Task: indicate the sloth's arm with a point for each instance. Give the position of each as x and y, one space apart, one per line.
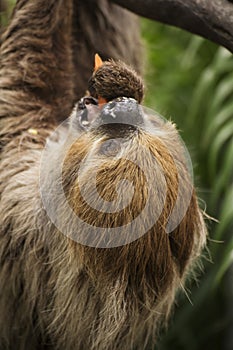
36 65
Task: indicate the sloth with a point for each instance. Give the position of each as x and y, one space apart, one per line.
100 223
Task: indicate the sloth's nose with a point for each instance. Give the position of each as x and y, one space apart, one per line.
122 110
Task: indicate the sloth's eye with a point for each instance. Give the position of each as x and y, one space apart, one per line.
87 100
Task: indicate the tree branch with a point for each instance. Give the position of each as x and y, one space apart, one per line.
211 19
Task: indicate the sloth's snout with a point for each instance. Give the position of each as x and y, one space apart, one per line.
122 110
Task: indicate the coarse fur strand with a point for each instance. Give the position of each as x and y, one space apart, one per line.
55 293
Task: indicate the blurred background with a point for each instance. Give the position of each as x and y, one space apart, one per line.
190 81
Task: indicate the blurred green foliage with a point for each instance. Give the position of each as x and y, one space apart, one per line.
190 81
6 7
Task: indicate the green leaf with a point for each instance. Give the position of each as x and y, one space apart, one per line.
221 137
226 216
217 121
225 175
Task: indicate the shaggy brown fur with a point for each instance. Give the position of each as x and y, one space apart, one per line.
56 293
115 79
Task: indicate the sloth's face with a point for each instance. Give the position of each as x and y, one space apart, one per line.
121 168
124 166
123 129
